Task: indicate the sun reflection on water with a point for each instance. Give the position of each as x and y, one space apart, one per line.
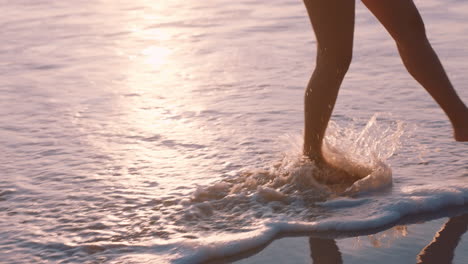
156 56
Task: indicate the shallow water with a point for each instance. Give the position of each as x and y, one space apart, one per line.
144 131
400 244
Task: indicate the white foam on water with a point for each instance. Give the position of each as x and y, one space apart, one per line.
249 209
367 214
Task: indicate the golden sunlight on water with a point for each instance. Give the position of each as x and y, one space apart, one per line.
138 130
156 56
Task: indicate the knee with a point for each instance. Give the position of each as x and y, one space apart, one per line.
335 59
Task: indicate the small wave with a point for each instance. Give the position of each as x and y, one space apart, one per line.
421 201
251 207
293 188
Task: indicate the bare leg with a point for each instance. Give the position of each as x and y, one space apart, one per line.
442 248
324 251
404 23
333 23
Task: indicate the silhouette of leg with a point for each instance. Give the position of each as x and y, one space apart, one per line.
324 251
333 24
404 23
442 248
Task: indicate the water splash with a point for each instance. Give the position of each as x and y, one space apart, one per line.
365 151
291 187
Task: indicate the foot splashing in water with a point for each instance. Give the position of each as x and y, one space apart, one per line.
251 206
293 185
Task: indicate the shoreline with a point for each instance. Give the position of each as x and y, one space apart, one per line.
395 243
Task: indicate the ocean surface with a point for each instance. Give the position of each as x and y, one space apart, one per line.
138 131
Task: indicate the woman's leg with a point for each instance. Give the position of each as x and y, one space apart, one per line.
324 251
404 23
333 23
442 248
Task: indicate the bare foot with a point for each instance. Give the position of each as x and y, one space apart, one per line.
460 133
460 128
332 175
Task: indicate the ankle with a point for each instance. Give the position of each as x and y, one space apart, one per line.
459 118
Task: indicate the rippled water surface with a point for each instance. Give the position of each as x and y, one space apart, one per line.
137 131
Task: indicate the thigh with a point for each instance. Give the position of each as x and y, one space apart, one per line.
333 23
401 18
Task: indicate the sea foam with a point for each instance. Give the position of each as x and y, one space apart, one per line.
250 208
